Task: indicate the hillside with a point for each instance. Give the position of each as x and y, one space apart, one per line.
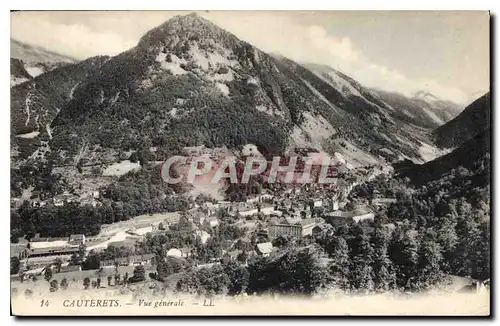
473 120
471 158
35 103
189 72
191 83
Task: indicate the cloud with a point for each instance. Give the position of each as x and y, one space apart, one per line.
340 47
75 40
84 35
313 44
342 54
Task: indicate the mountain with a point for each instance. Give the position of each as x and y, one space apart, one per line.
423 109
473 157
189 72
470 134
28 61
36 102
190 83
473 120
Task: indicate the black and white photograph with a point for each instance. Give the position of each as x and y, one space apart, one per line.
246 163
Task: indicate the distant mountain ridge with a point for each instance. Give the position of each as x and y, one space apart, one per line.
423 109
28 62
32 53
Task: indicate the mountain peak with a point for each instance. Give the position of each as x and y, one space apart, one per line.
190 19
191 26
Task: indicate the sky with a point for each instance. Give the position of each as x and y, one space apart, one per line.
443 52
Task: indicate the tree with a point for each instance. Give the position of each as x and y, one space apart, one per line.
117 279
383 275
296 271
482 245
403 252
280 241
14 265
238 277
58 264
74 260
93 261
139 274
205 281
64 284
339 267
242 257
82 249
133 157
53 286
362 259
86 283
48 273
429 259
446 234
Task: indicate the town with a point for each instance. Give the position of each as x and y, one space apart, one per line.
251 228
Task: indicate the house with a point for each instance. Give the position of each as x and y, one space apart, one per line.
318 229
213 221
264 249
185 252
179 253
202 235
76 239
318 203
198 217
140 259
122 261
383 201
233 255
368 216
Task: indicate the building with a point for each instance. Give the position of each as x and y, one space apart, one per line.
52 251
174 252
202 235
300 229
133 260
233 255
318 203
362 217
179 253
70 268
317 230
264 249
76 239
213 221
